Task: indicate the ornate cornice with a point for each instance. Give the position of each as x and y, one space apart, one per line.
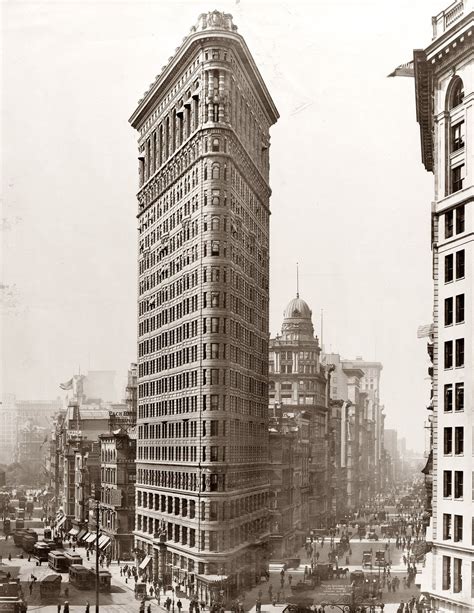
214 27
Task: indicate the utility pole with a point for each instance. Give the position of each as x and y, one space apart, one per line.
97 514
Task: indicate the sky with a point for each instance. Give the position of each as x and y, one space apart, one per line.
351 200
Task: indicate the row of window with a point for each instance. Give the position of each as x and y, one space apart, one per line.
188 404
212 510
213 453
210 482
209 540
456 565
189 429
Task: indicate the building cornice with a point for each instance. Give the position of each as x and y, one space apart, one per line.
191 44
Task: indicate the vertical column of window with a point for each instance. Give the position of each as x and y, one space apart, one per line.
210 94
221 95
155 161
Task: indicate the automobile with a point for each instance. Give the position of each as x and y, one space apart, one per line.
366 559
380 558
292 563
357 577
372 536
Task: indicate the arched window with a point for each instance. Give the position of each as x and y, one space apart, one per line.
455 93
205 173
215 144
215 223
216 171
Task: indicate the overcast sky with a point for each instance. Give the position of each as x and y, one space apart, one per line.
351 199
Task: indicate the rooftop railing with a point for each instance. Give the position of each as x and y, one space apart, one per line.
444 20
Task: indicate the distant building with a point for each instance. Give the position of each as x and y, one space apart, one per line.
297 385
32 445
118 477
8 428
289 480
38 412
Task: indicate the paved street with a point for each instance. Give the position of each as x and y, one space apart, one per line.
121 597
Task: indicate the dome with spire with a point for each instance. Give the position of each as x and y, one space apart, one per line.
297 309
297 323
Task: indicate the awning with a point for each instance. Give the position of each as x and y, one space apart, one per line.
81 534
144 563
61 522
91 538
73 532
104 541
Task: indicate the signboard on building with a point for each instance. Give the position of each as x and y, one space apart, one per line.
334 593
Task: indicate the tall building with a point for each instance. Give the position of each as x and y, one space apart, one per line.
444 87
203 222
297 383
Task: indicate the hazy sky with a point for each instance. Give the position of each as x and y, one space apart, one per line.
351 199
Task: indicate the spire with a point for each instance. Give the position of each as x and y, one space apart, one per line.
297 281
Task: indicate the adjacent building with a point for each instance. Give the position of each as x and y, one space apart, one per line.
444 83
118 476
203 222
297 391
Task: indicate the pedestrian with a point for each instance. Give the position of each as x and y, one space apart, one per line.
88 607
59 608
9 557
142 607
290 580
179 604
148 608
30 587
66 607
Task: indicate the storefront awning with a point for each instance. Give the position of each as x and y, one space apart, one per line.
144 563
81 534
73 531
91 538
104 541
61 522
213 578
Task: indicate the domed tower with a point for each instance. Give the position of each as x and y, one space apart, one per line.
297 391
297 323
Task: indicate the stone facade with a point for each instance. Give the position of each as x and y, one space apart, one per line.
203 222
444 82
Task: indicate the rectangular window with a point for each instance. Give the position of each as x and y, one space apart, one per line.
460 264
459 397
448 354
458 483
457 136
457 178
214 453
448 311
448 224
457 570
459 352
446 527
457 528
448 397
459 440
446 573
447 483
448 441
460 219
448 268
459 308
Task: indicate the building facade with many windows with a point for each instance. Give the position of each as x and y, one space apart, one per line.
203 222
298 389
444 81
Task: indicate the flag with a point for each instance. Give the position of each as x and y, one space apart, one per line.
404 70
67 385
